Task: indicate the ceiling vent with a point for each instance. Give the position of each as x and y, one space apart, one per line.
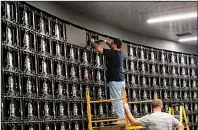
183 34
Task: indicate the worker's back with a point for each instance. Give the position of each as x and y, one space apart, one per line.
159 121
114 65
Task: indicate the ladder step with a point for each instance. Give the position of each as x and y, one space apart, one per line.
146 101
110 100
107 120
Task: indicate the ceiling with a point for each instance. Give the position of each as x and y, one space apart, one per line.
132 16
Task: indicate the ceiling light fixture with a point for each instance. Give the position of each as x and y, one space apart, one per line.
188 39
173 17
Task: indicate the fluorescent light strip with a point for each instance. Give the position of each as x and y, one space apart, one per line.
173 17
188 39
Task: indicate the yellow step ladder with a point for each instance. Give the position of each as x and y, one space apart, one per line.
128 126
90 121
182 115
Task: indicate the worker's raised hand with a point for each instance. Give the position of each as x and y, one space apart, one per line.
100 41
92 40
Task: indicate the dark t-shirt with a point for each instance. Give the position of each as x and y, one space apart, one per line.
114 64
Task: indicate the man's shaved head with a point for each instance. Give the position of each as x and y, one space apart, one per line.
157 103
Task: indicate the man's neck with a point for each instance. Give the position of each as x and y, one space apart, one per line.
157 110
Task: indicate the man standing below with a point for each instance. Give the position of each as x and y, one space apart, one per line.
115 75
158 120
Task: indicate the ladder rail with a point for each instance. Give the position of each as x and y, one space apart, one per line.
185 118
89 111
180 114
126 119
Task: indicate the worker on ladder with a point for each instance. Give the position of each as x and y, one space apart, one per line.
158 120
115 75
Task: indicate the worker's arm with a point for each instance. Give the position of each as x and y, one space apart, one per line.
98 47
130 117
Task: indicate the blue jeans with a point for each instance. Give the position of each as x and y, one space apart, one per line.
116 91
